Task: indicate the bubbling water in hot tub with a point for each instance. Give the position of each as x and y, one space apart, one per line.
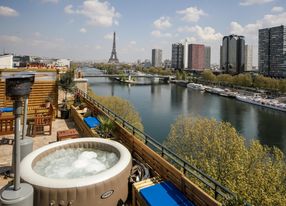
74 163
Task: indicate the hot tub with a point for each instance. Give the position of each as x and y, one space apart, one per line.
105 188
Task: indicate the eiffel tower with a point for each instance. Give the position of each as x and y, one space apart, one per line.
113 58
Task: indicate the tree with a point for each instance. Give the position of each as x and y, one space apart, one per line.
121 107
66 83
178 75
282 85
255 172
208 75
243 80
225 78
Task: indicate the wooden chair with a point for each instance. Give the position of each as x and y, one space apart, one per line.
39 124
7 125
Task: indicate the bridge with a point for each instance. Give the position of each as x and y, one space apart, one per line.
127 75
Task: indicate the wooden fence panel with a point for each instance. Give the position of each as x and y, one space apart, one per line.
41 90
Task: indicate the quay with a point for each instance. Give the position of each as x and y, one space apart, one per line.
251 98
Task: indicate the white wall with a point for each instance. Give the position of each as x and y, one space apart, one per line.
63 63
248 57
6 61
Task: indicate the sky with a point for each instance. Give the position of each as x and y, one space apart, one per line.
82 29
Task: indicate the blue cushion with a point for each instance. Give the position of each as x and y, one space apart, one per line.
91 122
7 109
164 193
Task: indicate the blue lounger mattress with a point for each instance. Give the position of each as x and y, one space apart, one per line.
91 122
6 109
164 193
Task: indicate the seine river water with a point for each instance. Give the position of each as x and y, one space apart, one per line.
160 105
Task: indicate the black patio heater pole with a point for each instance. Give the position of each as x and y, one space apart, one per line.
17 87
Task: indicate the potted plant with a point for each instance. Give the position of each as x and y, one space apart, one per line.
106 126
67 84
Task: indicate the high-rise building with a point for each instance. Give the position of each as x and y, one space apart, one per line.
220 57
156 57
186 56
248 58
196 57
272 51
233 54
178 56
207 57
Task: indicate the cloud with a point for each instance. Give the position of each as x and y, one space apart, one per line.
82 30
50 1
10 39
7 11
49 44
133 42
37 34
277 9
254 2
191 14
203 33
98 13
162 23
108 36
69 9
251 30
190 39
159 34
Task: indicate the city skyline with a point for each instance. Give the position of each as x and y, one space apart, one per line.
83 30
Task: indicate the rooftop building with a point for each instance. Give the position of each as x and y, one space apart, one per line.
207 57
196 57
6 61
178 56
248 57
272 51
156 57
233 54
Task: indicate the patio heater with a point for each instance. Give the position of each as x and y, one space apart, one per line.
18 194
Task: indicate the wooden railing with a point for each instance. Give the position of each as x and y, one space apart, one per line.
162 159
7 125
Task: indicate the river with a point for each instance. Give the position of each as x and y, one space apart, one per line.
160 105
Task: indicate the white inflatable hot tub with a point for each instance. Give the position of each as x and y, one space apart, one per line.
105 188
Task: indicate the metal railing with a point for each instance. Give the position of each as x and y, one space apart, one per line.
166 153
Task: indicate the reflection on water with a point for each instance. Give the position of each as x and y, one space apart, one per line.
160 105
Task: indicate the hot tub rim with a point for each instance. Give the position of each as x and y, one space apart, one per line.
29 175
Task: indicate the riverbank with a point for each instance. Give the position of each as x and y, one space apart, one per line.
256 98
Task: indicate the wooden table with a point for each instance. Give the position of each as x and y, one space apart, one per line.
67 134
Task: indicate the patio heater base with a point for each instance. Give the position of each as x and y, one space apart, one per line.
21 197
